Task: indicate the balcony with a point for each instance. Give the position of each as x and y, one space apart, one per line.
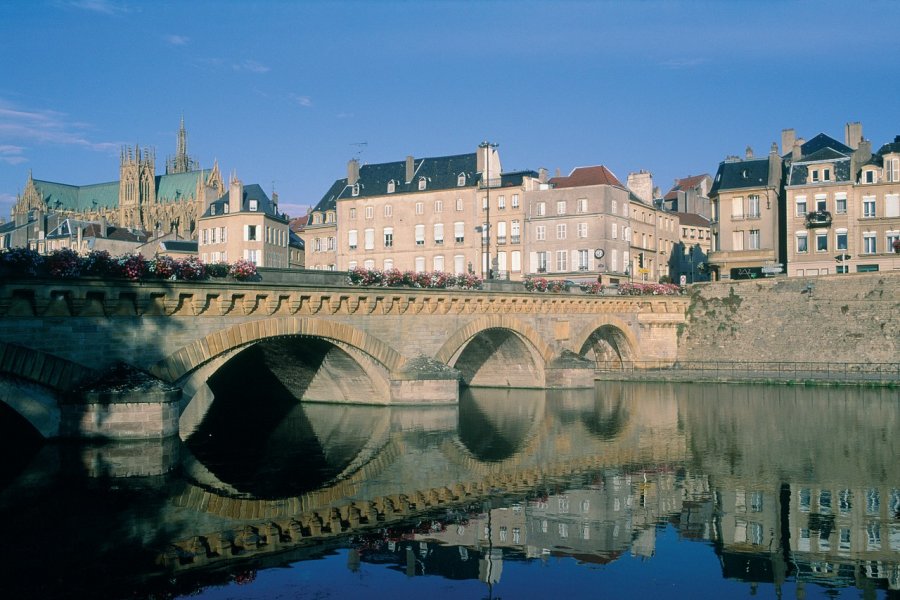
818 218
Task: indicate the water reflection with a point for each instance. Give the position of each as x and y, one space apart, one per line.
785 485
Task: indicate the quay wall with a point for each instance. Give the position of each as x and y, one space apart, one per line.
851 318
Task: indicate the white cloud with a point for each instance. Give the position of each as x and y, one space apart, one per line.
42 127
105 7
7 201
12 154
683 63
250 65
302 100
344 115
177 40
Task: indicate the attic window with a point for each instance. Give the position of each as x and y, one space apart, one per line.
212 210
422 183
254 205
461 179
392 187
225 208
355 189
869 177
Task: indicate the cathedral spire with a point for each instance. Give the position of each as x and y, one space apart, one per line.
181 162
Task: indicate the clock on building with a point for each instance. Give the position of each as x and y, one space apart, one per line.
599 253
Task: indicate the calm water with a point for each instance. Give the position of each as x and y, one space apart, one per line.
627 490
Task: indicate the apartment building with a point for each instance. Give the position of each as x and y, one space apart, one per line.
577 226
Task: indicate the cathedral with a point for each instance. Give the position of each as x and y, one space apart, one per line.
139 200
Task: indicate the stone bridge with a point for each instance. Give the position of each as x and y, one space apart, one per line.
324 342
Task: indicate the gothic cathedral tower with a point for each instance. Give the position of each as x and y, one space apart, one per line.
137 186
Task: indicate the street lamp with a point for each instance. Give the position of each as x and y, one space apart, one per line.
487 147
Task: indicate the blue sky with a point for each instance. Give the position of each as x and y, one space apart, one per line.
285 93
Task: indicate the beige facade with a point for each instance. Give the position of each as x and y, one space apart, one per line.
654 235
244 224
579 231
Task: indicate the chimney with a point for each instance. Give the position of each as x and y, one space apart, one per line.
410 168
860 156
352 172
235 194
852 134
104 227
787 140
775 168
796 151
542 175
748 153
641 184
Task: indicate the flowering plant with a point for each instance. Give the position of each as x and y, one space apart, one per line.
191 269
651 289
97 262
421 279
130 266
541 284
163 267
243 270
64 264
22 261
219 269
897 245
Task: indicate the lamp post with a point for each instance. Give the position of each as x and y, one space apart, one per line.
487 147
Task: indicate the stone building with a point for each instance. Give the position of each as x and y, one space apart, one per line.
689 195
577 226
139 200
422 214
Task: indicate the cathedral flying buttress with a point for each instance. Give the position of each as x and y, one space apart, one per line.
140 199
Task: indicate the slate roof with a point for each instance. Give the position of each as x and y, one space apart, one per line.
296 241
890 147
818 143
739 174
440 173
582 176
179 245
80 198
691 219
252 191
687 183
799 174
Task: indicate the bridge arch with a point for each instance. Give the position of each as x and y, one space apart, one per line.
199 352
610 338
499 339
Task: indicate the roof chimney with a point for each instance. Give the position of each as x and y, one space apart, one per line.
410 168
787 140
235 194
542 175
352 171
852 134
797 150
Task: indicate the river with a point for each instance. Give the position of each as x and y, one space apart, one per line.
628 490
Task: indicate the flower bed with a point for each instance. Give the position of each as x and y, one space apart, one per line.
68 264
541 284
421 279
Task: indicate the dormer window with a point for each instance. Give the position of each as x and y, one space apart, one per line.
254 205
815 175
317 219
461 179
826 175
329 217
212 210
869 177
355 189
392 187
422 183
225 209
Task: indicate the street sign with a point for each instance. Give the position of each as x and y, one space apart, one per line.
842 257
683 280
772 270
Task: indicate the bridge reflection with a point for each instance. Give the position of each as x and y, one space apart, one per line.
782 483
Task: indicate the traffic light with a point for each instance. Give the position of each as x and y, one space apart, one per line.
641 260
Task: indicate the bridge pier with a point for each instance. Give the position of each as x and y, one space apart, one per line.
423 380
569 371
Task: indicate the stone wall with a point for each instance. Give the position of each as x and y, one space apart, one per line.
853 318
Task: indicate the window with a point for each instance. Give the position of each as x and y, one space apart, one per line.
459 204
420 208
254 205
420 235
369 264
737 208
561 231
249 233
461 180
541 262
582 230
317 219
582 260
561 207
627 234
802 242
515 260
388 210
892 237
205 236
438 233
840 203
388 264
737 240
420 264
562 260
815 175
459 264
370 212
422 183
515 201
754 239
459 232
826 174
541 209
869 246
501 261
514 233
438 263
484 233
484 203
753 206
892 205
212 210
581 205
840 239
438 206
388 237
540 233
369 239
332 243
353 213
821 203
614 231
869 177
501 232
892 169
252 256
391 187
615 207
821 242
869 206
501 202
